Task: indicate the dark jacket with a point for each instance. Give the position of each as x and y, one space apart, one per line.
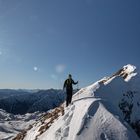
68 84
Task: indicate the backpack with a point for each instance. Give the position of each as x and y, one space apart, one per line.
69 82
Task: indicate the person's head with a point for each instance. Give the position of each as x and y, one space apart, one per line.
70 76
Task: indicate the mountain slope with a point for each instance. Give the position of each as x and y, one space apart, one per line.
108 109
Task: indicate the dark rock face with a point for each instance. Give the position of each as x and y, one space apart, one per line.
128 106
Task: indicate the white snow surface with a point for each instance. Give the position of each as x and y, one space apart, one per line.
94 113
11 125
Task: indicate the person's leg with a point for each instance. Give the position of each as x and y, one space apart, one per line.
70 96
67 100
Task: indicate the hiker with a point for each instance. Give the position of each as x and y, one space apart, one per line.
69 89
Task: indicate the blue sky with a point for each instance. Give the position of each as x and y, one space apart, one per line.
42 41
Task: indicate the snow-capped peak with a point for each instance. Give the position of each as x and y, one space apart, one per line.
129 68
128 72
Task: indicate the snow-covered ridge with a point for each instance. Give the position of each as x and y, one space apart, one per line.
107 109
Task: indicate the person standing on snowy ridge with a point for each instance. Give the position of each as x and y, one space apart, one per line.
69 89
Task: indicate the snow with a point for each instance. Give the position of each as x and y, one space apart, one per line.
129 69
101 124
11 125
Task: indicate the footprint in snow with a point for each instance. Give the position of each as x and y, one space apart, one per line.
63 131
103 136
58 134
68 120
68 114
66 132
73 107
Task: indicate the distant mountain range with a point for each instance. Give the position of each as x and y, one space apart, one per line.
24 101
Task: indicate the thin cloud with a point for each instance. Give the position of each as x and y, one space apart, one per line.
60 68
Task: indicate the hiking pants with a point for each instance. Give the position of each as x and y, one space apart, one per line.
69 96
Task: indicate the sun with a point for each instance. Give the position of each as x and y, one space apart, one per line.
35 68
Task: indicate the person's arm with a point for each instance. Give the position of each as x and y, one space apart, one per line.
74 82
64 84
